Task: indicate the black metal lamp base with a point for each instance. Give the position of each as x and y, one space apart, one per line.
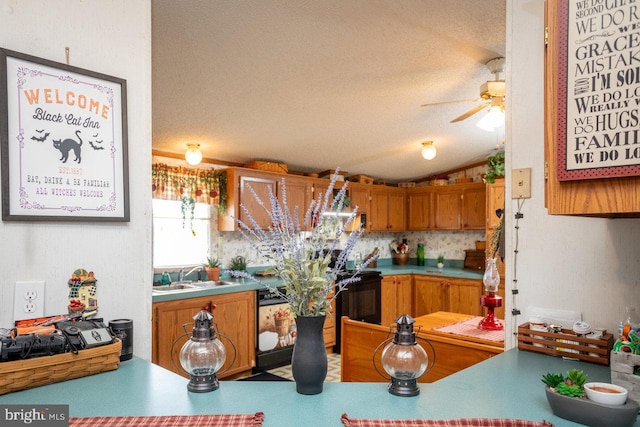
203 383
406 388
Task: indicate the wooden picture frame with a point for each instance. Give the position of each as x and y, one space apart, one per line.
63 141
598 90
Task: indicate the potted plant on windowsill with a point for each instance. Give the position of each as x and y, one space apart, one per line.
212 268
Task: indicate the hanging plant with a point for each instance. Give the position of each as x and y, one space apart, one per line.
188 206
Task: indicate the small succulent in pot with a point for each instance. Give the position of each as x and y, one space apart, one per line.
238 263
213 262
212 267
572 385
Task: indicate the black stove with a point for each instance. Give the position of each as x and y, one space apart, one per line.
364 274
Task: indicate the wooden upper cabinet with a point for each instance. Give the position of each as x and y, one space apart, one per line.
606 197
459 207
360 195
474 207
388 211
260 186
419 210
447 205
238 194
495 200
397 211
299 193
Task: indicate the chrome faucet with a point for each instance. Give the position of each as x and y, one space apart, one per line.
183 274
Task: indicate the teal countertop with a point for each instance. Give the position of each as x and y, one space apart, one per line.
505 386
384 266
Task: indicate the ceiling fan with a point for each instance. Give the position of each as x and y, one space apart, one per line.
492 94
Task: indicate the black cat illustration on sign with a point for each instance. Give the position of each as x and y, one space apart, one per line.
68 145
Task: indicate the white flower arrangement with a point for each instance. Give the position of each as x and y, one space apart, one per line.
301 258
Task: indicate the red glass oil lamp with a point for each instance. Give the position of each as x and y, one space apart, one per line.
490 299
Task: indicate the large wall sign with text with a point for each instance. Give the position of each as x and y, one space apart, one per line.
63 134
599 89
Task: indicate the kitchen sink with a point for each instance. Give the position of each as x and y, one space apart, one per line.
192 286
174 287
211 284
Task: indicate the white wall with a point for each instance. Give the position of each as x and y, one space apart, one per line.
586 264
111 37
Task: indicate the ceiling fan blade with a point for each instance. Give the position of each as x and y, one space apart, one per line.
470 113
451 102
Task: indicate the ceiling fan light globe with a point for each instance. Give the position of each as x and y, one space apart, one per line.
428 150
492 120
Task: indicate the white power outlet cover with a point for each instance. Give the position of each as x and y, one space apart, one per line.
28 300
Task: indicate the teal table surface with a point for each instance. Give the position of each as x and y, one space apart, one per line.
505 386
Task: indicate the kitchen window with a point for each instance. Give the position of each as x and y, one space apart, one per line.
175 244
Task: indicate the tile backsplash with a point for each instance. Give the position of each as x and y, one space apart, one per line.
451 244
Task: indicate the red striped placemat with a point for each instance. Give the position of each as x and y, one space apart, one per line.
458 422
469 328
216 420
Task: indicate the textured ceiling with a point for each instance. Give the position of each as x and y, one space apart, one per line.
320 84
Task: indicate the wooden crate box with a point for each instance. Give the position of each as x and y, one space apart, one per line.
566 343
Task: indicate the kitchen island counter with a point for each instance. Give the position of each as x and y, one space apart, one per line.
505 386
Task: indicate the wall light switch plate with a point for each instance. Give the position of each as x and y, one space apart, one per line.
28 300
521 183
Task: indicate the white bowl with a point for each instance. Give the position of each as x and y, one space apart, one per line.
609 394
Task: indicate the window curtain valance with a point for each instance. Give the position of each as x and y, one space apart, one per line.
190 184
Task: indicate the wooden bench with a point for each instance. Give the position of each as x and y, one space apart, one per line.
453 352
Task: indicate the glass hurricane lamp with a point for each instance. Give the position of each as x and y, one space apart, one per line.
202 355
404 360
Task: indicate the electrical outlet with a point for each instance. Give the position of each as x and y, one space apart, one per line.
28 300
521 183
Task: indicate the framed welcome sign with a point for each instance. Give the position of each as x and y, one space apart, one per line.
63 136
598 109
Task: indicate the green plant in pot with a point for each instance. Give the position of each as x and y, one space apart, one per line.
572 385
238 263
212 267
440 261
495 167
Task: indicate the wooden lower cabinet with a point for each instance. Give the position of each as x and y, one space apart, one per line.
234 315
397 297
359 359
432 294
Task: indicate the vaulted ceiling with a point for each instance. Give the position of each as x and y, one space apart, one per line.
320 84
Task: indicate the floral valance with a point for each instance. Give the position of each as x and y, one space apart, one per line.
191 184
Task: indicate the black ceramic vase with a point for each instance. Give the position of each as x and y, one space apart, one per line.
309 359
